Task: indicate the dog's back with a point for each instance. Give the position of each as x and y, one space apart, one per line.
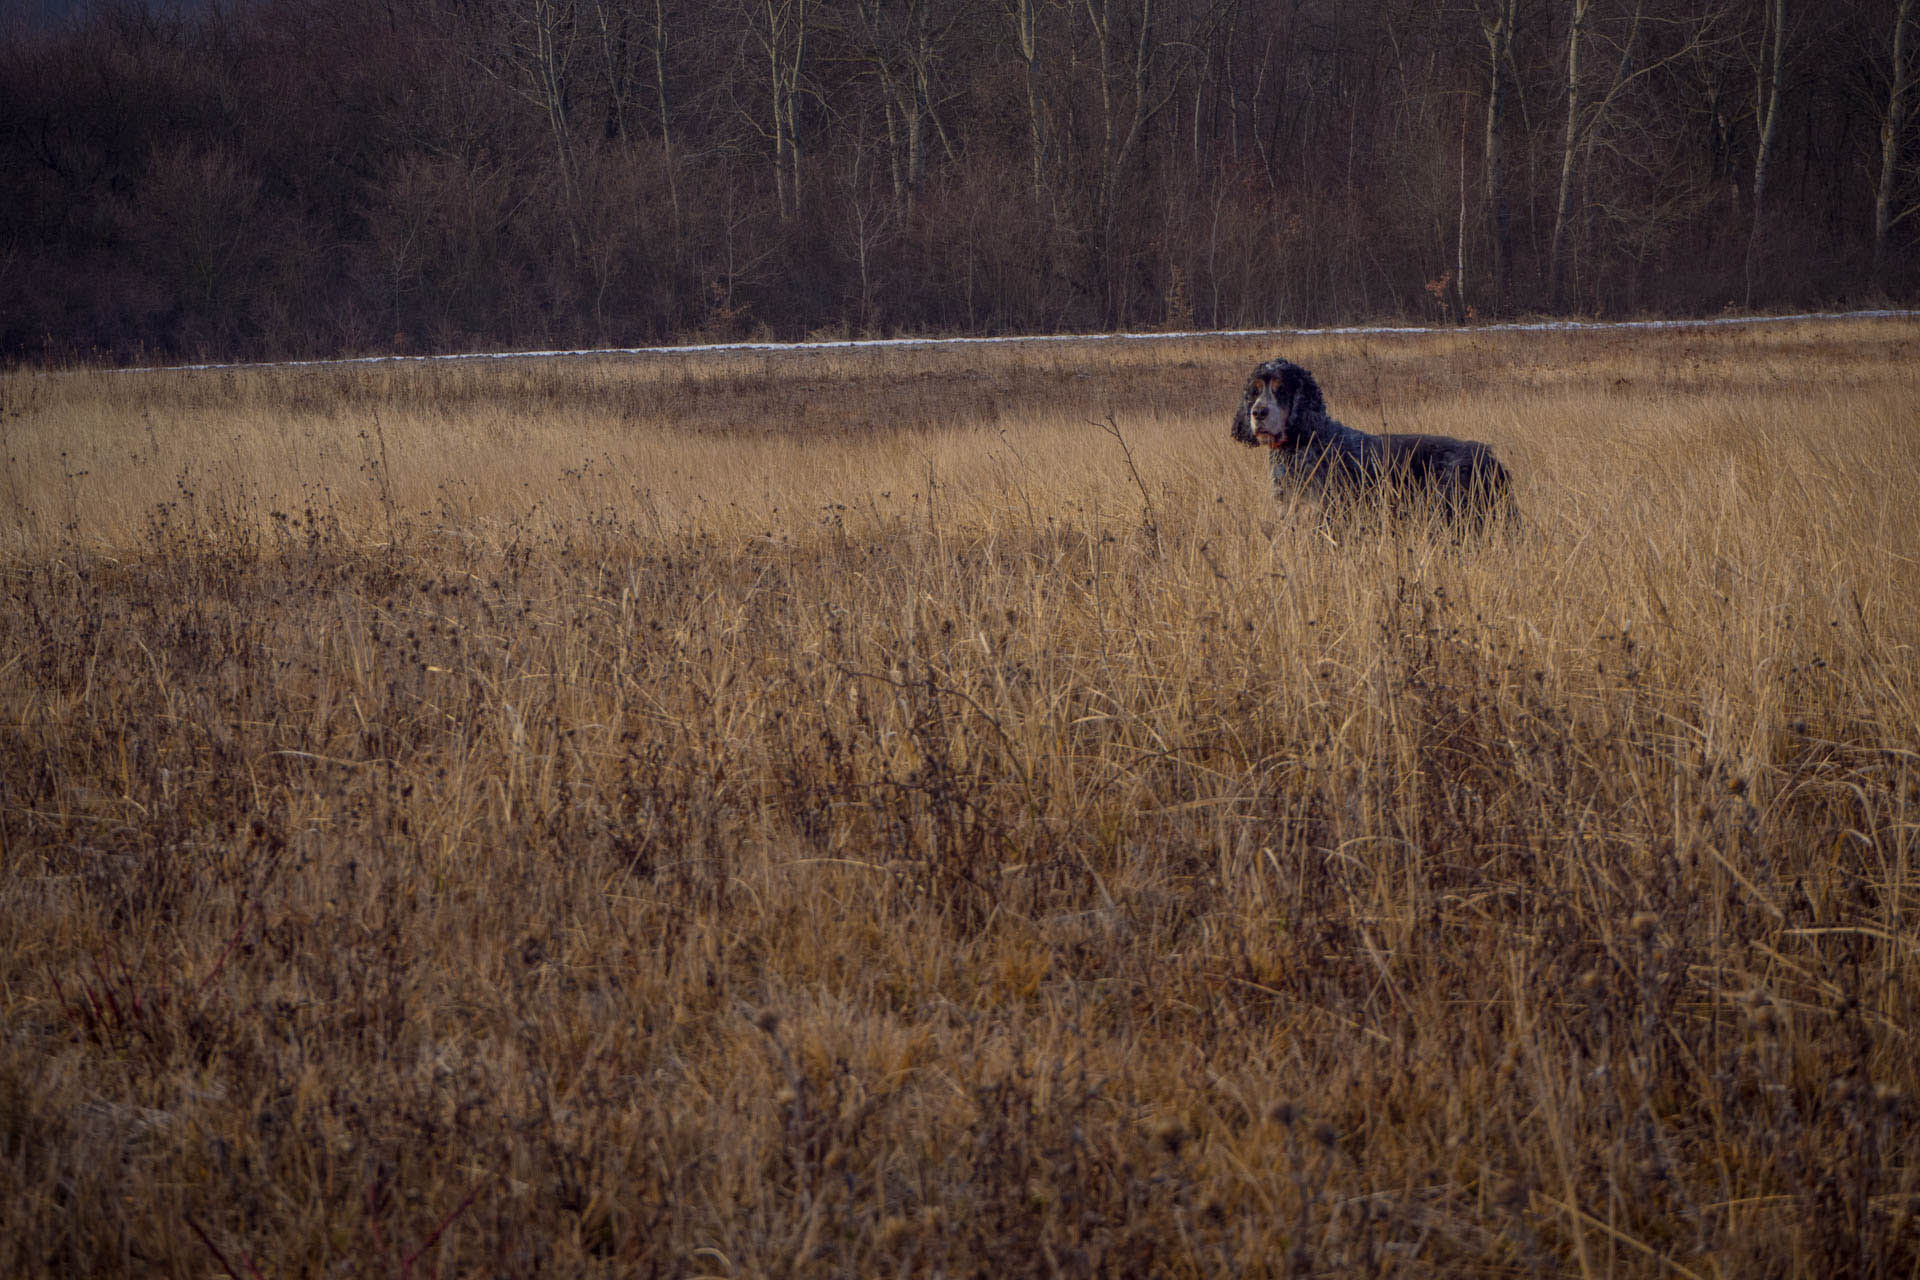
1463 473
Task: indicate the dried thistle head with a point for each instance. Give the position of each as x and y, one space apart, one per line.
892 1231
1763 1014
1169 1132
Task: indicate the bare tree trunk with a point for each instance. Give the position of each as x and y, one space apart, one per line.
1231 73
1497 24
1148 87
1569 152
783 39
1899 108
904 62
1026 28
1100 17
1766 103
546 61
613 30
660 99
1460 225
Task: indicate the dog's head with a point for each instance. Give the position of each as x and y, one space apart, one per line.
1280 396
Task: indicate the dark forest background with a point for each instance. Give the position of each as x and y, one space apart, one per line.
313 177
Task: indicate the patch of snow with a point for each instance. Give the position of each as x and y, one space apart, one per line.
851 343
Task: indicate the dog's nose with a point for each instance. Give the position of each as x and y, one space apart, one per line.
1260 412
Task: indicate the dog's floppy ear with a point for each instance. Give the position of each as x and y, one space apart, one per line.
1243 422
1306 397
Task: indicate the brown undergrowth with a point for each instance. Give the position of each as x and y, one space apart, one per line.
957 850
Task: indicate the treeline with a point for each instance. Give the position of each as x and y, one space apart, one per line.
304 177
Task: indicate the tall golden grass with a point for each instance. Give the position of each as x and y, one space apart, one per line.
931 812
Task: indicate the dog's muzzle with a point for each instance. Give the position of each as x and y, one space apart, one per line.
1264 412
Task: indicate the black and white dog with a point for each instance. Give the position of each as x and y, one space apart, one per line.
1311 453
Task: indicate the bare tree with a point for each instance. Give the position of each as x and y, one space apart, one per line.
660 89
532 50
781 28
1893 126
1766 113
1589 113
1025 15
902 43
546 54
1134 88
867 220
1460 217
1581 10
612 26
1497 21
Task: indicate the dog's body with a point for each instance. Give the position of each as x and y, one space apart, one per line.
1312 453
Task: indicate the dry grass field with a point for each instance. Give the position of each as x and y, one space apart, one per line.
930 812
